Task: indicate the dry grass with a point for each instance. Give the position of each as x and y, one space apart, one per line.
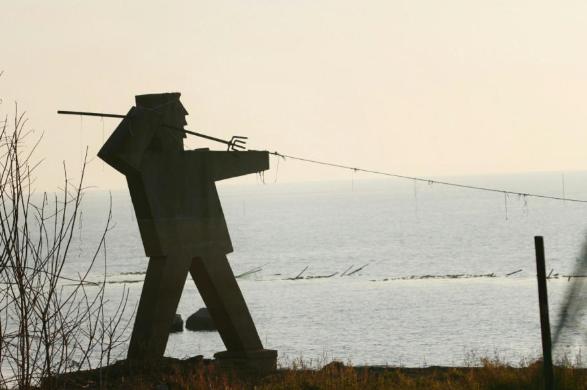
202 374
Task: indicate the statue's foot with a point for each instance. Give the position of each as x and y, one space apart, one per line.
260 362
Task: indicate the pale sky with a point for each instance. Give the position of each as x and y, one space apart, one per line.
413 87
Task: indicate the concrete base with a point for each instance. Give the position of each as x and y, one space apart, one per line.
260 362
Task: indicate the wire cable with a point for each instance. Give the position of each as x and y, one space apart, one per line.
429 181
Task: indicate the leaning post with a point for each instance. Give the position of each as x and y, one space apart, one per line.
544 317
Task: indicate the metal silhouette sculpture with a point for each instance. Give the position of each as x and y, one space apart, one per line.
183 229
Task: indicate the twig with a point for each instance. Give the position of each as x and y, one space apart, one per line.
347 270
251 271
569 277
512 273
357 270
300 274
322 276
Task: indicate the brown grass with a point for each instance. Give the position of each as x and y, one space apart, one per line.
197 373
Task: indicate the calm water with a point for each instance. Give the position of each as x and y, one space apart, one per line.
398 230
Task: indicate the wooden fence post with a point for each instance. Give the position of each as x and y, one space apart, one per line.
544 318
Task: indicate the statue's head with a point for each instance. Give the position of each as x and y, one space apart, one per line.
172 113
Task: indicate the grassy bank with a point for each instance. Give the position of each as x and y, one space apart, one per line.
198 373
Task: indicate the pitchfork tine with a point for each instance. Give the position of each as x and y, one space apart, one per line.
237 142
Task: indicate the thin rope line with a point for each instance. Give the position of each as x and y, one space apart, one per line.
421 179
429 181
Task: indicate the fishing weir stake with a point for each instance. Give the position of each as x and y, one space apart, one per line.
236 143
544 317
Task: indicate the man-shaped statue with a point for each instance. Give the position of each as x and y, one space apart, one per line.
183 229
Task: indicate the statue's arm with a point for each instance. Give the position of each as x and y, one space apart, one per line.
125 148
224 165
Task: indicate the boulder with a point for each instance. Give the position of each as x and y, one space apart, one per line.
200 320
177 324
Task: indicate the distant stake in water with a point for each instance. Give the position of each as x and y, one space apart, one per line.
544 317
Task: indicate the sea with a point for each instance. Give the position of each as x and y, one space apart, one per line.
374 271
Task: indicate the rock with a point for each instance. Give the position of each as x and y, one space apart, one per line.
177 324
200 320
334 365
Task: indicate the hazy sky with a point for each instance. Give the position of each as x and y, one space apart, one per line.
414 87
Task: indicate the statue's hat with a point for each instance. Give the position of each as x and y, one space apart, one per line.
155 101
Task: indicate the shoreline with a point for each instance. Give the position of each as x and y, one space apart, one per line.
197 372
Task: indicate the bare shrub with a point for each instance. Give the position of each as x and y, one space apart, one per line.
50 323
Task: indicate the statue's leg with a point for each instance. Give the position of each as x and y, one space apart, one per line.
225 302
162 290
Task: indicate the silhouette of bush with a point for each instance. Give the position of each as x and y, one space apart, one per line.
50 323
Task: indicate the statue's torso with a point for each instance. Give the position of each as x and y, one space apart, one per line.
177 204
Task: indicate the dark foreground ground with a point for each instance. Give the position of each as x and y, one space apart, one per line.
198 373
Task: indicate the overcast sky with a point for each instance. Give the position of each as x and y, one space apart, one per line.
413 87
